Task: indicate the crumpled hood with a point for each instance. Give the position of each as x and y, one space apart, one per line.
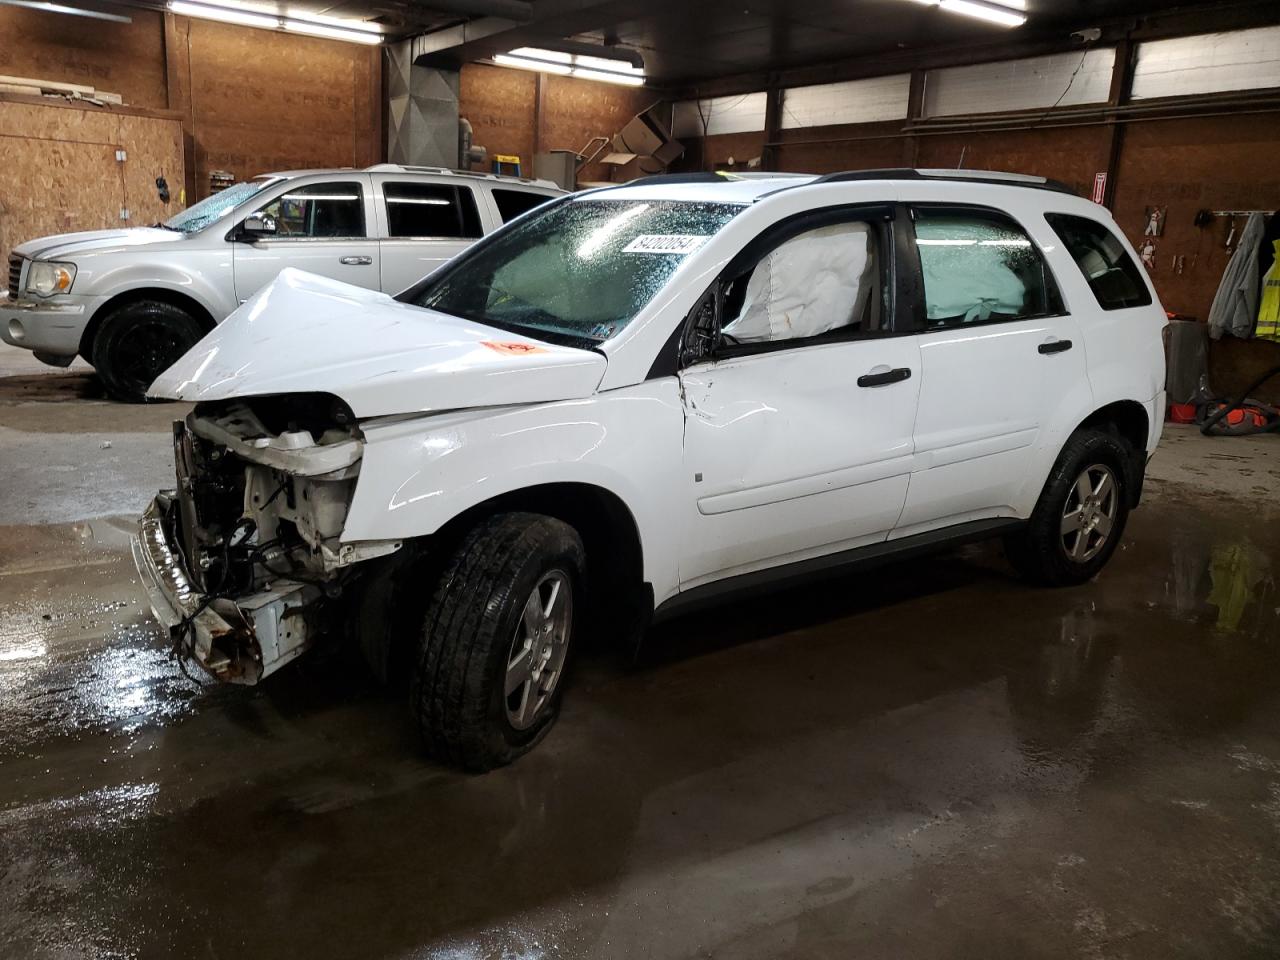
307 334
65 245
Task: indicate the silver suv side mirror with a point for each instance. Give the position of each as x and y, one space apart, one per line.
258 225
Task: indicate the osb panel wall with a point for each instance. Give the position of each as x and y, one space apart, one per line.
263 101
61 174
501 104
123 58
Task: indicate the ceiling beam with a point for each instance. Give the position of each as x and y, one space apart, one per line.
1183 21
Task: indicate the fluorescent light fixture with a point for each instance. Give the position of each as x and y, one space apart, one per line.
534 53
331 28
520 63
582 66
1004 12
982 11
225 14
331 33
425 201
306 16
608 76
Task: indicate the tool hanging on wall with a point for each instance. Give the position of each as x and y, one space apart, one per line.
1231 234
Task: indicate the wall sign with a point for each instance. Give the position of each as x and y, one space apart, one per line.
1099 186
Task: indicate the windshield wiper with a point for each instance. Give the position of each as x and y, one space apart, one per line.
165 226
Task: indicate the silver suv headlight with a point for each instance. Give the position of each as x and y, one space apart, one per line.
45 278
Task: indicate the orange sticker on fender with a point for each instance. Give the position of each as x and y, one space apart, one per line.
511 347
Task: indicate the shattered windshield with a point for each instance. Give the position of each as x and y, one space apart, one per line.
214 207
576 273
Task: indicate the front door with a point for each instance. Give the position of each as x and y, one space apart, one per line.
322 228
998 355
798 429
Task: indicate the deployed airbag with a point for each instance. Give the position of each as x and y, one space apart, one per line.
813 283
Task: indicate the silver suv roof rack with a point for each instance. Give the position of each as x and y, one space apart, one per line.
446 171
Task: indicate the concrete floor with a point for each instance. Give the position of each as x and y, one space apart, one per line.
930 760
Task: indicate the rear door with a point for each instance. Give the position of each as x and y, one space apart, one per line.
999 356
424 223
322 228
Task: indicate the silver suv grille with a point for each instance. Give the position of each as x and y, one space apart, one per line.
15 274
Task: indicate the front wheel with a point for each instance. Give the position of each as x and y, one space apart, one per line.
139 341
1080 516
496 639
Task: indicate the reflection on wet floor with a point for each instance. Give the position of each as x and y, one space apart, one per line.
929 760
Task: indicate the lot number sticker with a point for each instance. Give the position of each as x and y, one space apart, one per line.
673 243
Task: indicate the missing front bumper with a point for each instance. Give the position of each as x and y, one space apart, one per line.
237 641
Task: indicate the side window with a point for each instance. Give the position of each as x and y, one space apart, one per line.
979 268
436 210
823 281
319 210
512 203
1110 271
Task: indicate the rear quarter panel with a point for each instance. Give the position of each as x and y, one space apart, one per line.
1125 348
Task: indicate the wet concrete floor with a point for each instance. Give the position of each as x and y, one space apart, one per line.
930 760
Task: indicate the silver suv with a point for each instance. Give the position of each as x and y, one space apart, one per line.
132 301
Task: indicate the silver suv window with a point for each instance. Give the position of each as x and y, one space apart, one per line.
319 210
434 210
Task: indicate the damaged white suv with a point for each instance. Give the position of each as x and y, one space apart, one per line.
639 398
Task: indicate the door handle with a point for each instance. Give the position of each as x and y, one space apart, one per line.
1055 346
896 375
356 261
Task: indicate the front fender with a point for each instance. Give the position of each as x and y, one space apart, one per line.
202 275
417 475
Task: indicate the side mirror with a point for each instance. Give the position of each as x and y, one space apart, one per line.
258 225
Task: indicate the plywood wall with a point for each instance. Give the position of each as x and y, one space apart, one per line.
60 173
502 105
123 58
262 101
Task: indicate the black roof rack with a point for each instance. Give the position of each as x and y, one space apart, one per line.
968 176
699 176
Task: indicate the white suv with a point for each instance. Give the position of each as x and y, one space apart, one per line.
132 301
640 398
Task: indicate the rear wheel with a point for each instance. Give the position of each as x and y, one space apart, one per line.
496 640
139 341
1081 514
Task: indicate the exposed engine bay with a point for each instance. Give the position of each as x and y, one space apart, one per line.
254 528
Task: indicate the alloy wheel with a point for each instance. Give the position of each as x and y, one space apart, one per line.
1089 515
538 649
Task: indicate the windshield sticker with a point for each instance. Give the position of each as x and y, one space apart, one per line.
672 243
512 347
